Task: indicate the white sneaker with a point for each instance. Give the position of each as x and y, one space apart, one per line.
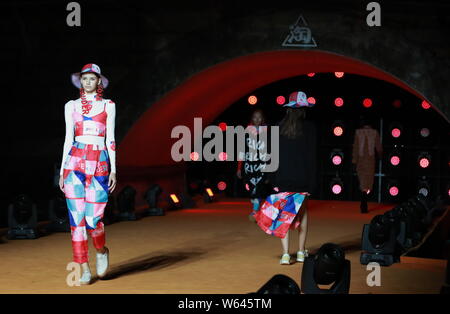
301 255
85 278
102 263
285 259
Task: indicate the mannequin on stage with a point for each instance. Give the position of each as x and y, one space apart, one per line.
88 168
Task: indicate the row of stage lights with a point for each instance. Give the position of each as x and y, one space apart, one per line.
393 187
339 101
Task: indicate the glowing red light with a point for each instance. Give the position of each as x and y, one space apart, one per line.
194 156
395 160
393 191
448 192
367 102
424 162
311 100
425 105
223 156
337 160
396 132
339 102
311 74
252 100
247 187
223 126
339 74
281 100
336 188
338 131
221 186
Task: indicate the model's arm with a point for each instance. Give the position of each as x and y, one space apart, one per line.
68 109
110 139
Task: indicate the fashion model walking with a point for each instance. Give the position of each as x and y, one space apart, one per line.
88 168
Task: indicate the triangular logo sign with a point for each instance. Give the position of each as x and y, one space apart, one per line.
300 35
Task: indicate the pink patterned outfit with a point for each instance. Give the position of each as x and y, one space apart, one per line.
87 163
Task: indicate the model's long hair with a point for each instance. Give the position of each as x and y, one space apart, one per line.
292 124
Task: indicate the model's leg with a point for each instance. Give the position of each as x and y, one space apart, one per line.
285 243
97 198
74 191
303 230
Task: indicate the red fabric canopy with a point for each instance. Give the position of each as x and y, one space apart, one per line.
210 92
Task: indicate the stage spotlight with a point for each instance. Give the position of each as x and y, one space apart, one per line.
281 100
174 201
327 267
223 156
126 203
194 156
393 188
423 187
151 196
426 105
279 284
379 241
252 100
208 195
424 132
338 128
339 74
424 159
339 102
180 201
58 214
311 74
367 102
222 126
337 157
221 186
395 157
22 218
312 100
336 186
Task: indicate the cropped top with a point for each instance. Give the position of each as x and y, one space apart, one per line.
90 129
94 125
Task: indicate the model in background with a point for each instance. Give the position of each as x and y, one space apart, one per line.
294 179
250 170
88 168
366 143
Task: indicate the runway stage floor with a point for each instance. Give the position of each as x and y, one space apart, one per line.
210 249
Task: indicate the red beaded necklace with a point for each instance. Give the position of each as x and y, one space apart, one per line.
85 104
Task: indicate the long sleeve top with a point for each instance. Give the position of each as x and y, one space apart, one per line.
73 108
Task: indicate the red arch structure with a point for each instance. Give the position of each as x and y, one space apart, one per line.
208 93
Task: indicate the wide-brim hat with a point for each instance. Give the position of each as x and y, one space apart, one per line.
297 100
89 68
